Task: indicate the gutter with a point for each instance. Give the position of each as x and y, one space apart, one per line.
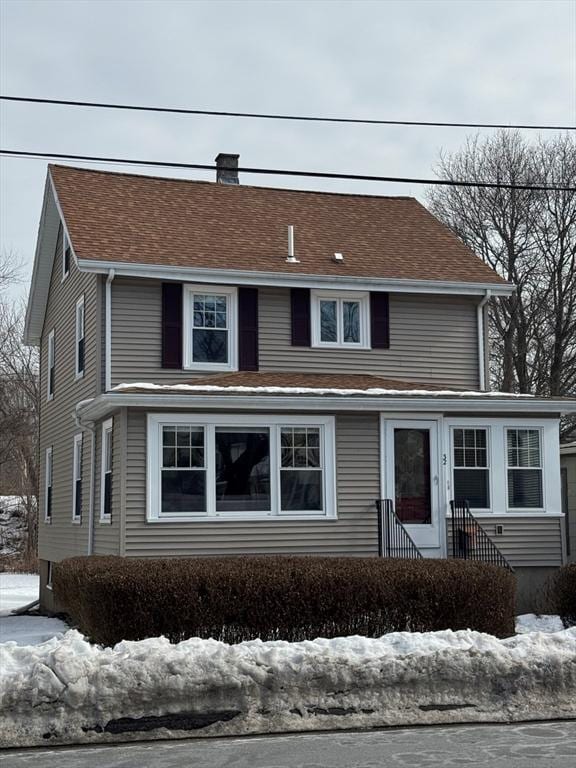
108 332
481 347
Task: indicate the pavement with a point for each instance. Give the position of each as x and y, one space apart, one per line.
526 745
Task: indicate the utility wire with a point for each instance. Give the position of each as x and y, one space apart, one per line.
266 116
285 172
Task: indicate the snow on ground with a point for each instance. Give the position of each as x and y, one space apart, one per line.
70 691
533 622
16 591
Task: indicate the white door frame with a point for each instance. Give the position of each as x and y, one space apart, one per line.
431 539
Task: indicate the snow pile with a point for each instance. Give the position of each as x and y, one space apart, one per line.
532 622
69 691
13 527
276 390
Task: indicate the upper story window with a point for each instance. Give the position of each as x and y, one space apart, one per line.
210 333
106 479
66 256
51 364
48 486
80 337
471 467
77 479
524 465
340 319
263 466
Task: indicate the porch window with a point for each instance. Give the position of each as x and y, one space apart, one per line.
106 479
471 467
340 319
210 328
524 464
263 466
48 486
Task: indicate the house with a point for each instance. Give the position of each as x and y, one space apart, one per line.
568 484
230 369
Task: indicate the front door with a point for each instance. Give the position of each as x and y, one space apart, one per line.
412 480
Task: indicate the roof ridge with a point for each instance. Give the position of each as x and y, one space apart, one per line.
232 186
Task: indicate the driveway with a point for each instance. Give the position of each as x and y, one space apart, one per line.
529 745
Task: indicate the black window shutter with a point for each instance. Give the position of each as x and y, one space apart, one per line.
379 321
248 329
300 301
171 325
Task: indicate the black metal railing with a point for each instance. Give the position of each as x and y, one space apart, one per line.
393 538
470 541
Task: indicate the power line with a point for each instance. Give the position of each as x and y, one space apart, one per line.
266 116
285 172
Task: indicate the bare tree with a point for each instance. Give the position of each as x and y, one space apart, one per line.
19 412
529 237
9 269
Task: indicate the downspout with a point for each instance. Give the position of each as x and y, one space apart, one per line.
108 333
481 348
90 426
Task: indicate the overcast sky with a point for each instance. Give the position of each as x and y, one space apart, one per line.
476 61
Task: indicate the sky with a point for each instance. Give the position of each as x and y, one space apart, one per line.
505 61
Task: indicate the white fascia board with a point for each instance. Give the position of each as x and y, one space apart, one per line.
100 406
43 263
282 279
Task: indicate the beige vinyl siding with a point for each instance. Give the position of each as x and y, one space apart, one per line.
107 534
432 339
62 538
525 541
353 533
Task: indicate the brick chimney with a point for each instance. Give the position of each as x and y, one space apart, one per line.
227 169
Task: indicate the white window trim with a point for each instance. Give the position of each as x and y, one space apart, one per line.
51 356
525 510
232 316
79 338
76 473
48 482
550 458
107 427
340 296
210 421
65 245
453 467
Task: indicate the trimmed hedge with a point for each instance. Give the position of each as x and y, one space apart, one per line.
564 594
280 597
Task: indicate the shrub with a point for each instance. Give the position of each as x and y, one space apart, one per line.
564 594
288 598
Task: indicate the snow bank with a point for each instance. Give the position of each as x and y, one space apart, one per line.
69 691
533 622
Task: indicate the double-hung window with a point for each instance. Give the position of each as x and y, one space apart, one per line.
210 334
262 466
80 337
77 479
48 486
50 381
340 319
106 473
471 467
524 468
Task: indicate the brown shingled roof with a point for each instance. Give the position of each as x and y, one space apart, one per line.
147 220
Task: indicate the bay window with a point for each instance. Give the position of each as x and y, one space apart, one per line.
210 328
263 466
106 472
524 469
77 479
471 467
340 319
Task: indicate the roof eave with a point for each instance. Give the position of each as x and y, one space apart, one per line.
100 406
283 279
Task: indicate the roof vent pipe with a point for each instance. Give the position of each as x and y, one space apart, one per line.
291 255
227 169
